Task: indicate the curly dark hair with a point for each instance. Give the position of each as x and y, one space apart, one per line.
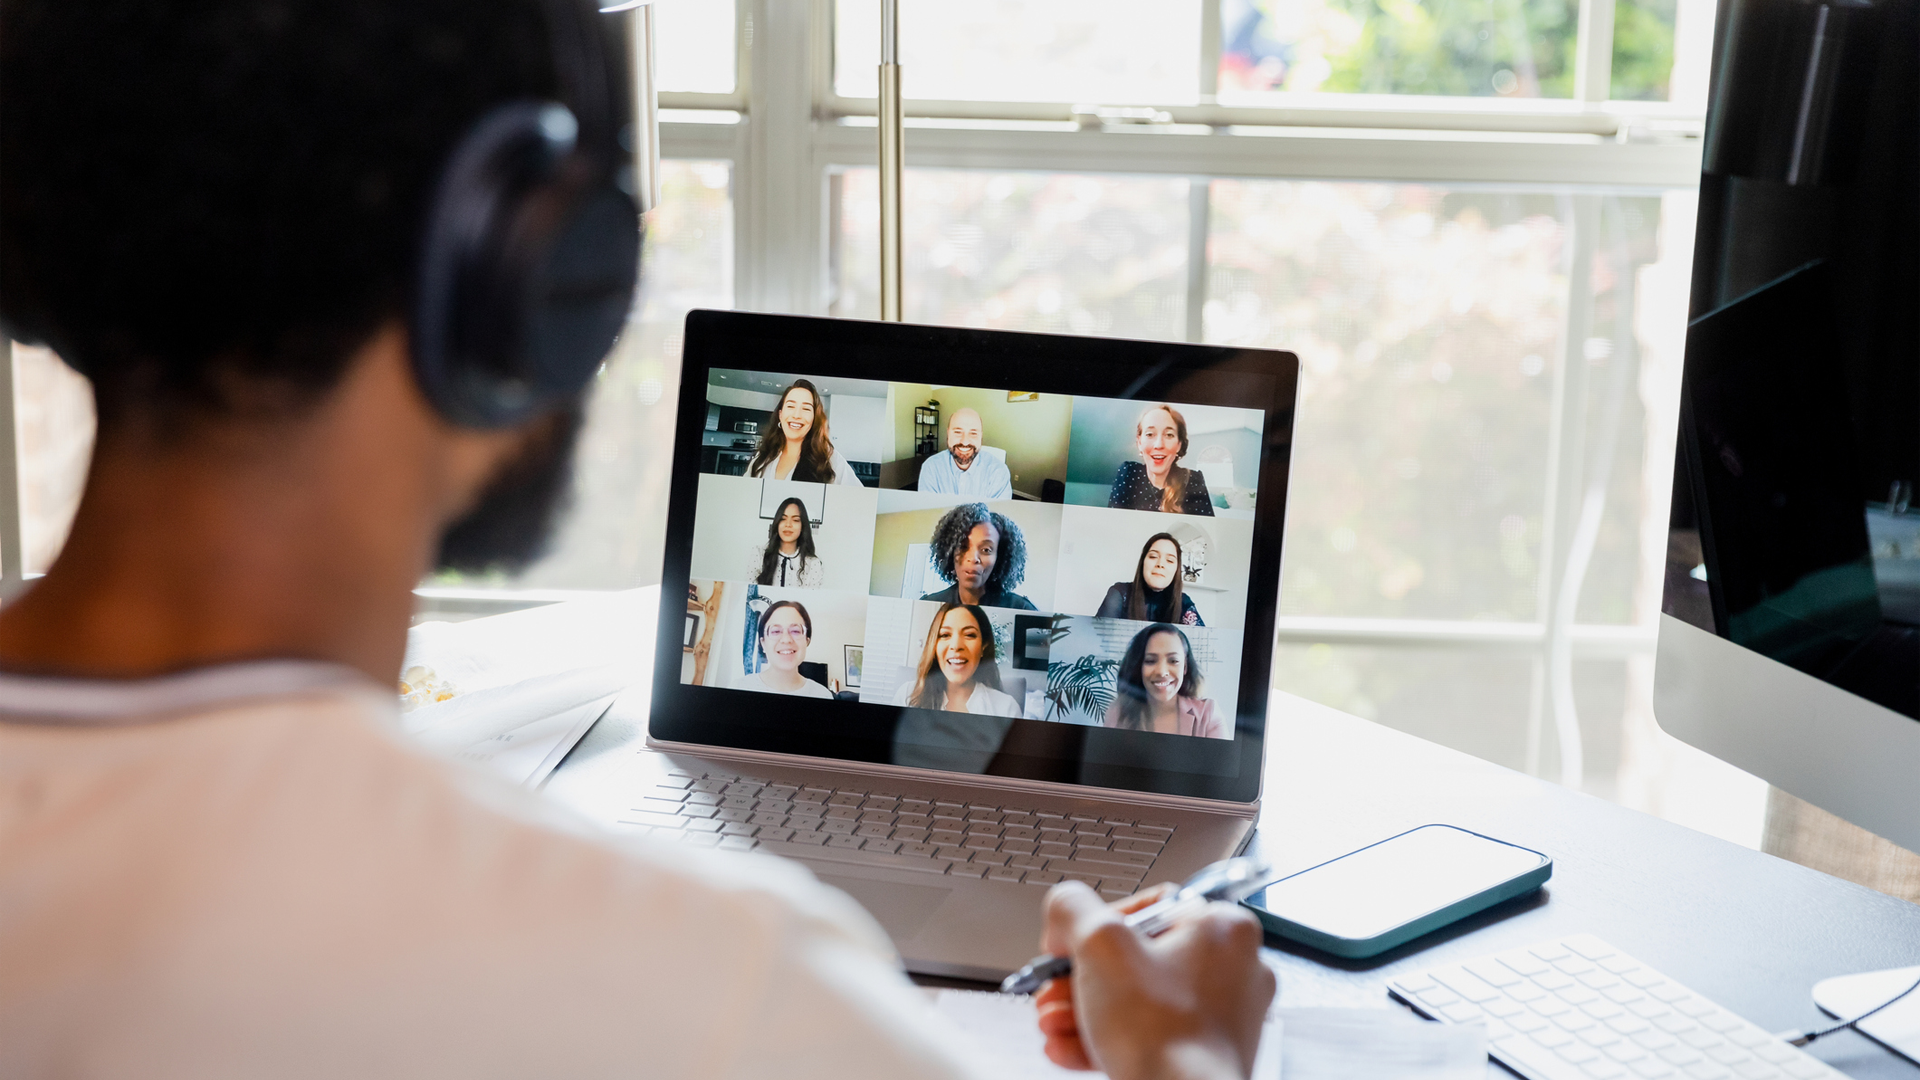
215 204
949 542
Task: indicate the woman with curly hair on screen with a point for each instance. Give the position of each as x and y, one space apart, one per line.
957 671
1158 688
983 554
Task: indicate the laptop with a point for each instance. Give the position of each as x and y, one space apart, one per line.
967 613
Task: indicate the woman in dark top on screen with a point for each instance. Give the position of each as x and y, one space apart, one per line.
1154 594
983 554
1157 481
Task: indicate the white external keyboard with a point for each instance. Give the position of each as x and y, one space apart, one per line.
1580 1009
899 830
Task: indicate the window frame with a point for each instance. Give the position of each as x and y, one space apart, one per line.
785 133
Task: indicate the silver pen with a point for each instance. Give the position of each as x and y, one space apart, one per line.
1228 881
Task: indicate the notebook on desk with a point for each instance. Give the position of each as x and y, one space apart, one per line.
1038 649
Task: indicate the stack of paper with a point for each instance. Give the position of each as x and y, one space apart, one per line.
531 683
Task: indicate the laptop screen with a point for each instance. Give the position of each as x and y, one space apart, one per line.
974 551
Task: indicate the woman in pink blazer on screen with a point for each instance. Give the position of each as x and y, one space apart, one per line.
1158 688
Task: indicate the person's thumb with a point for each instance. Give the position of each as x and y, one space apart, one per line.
1073 912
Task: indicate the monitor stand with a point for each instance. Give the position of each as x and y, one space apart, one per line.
1897 1027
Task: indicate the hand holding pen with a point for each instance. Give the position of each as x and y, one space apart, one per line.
1189 1003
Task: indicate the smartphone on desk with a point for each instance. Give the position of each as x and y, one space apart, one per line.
1368 901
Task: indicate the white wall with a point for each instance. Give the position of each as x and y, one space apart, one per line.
1099 547
860 427
728 528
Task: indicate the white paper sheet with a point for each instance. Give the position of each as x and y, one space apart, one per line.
1296 1044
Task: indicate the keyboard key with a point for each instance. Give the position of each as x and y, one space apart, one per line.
982 843
811 839
1681 1056
970 870
1707 1070
1626 1052
1578 1052
1494 974
1523 963
1097 869
1121 887
776 834
848 842
1805 1068
1056 851
1019 832
677 779
842 828
1755 1070
1552 1038
735 828
736 843
737 802
658 821
1145 847
923 850
1041 877
725 814
1602 1069
1088 880
1652 1069
1527 1057
858 858
991 858
704 825
701 839
887 846
957 854
1468 985
1003 873
1157 826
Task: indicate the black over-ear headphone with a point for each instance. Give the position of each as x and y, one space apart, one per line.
532 245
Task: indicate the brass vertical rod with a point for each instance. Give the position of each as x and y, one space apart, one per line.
892 160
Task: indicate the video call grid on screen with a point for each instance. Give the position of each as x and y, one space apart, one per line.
1020 504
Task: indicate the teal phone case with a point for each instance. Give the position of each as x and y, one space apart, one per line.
1361 948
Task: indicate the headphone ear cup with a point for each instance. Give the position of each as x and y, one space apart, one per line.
527 270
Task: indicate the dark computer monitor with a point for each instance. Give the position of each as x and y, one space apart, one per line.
1790 630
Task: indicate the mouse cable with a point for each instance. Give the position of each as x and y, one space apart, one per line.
1802 1038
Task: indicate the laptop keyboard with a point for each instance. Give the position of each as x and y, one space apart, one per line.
897 829
1580 1009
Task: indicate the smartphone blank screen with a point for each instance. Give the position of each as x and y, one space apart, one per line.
1365 894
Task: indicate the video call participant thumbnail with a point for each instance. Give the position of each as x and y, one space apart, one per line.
788 557
1158 481
984 554
786 630
1158 688
1155 593
796 446
958 671
966 467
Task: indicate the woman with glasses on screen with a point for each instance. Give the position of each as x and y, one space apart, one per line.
788 559
795 445
957 671
785 632
1154 594
1158 688
1158 481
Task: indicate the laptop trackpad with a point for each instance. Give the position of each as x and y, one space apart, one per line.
902 909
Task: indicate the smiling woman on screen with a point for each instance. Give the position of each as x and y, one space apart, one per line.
1154 594
1158 688
788 557
983 553
785 632
1158 481
957 672
795 445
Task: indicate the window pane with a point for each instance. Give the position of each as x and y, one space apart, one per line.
1662 50
1024 251
1472 48
1426 322
1113 52
55 421
613 537
695 48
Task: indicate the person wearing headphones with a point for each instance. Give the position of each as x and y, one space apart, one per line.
340 273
